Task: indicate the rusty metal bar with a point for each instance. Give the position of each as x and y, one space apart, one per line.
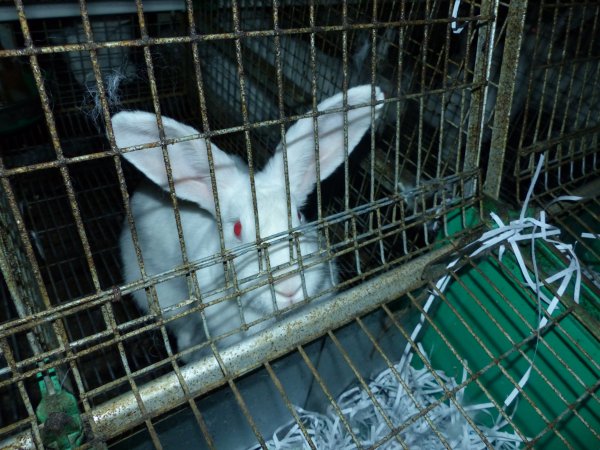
62 10
391 365
205 134
504 97
151 41
329 395
449 394
364 385
289 404
365 229
58 326
34 434
166 392
247 141
21 283
481 75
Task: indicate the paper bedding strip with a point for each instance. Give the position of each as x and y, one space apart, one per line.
444 422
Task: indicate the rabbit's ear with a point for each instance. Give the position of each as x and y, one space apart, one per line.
300 139
188 159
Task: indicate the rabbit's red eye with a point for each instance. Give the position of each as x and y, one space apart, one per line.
237 228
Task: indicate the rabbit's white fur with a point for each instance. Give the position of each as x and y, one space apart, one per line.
154 217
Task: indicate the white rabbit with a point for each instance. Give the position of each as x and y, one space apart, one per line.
156 227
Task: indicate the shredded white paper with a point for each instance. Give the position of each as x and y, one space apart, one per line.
443 425
363 417
509 236
455 28
593 275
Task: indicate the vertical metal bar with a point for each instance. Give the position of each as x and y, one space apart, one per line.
401 381
281 107
107 312
372 156
246 412
329 396
161 130
301 266
20 279
354 240
48 114
594 76
365 387
345 86
398 169
423 76
269 270
504 97
572 95
153 298
541 55
289 405
206 128
134 388
235 9
456 146
373 77
562 70
482 71
314 103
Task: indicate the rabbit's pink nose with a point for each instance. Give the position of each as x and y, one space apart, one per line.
287 291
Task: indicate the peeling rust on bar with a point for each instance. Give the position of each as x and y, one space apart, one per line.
206 374
384 234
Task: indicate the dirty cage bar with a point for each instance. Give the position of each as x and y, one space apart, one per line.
270 217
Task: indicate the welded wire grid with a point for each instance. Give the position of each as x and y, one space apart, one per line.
72 205
579 221
353 355
555 109
421 63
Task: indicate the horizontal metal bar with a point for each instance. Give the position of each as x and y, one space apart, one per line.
61 10
205 375
150 41
64 161
165 393
98 299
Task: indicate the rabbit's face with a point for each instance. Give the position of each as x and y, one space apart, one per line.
279 248
287 268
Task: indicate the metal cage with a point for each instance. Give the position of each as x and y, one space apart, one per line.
473 94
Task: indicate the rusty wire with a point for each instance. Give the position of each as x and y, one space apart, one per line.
370 229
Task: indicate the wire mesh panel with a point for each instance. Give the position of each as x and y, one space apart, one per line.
554 108
235 216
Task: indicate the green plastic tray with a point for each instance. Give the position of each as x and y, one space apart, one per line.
488 311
